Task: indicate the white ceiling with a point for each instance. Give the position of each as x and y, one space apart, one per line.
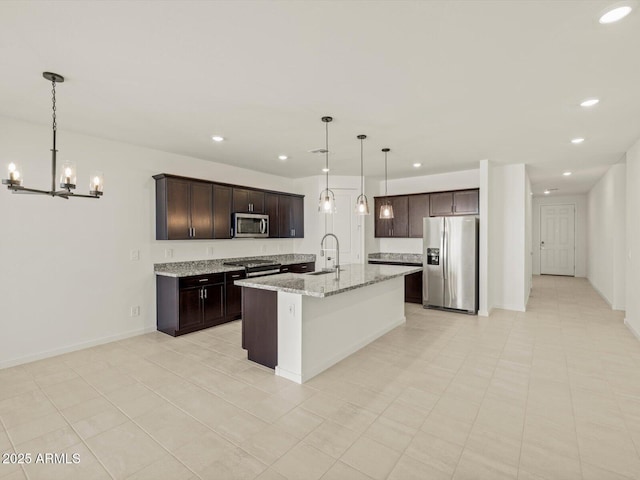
445 83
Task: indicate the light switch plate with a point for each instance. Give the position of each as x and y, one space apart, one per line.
134 255
135 311
168 253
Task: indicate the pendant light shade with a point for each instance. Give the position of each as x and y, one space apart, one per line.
327 200
362 204
386 209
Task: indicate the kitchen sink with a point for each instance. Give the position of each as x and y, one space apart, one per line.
320 272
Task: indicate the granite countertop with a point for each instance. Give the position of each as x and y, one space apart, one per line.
353 276
205 267
414 258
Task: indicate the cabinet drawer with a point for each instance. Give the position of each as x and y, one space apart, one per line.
302 267
199 280
231 277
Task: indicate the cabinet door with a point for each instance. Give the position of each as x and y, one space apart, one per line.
400 226
271 201
201 210
256 200
382 225
284 216
466 202
213 304
297 216
190 308
221 211
233 295
441 204
418 209
240 200
178 193
413 288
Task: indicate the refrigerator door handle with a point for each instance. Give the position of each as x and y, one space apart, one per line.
443 254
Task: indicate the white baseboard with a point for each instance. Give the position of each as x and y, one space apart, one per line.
72 348
635 332
604 297
513 308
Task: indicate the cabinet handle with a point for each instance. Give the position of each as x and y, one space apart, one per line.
201 297
235 276
203 280
205 292
303 266
455 208
231 232
194 232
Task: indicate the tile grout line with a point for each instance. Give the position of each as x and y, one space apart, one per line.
13 447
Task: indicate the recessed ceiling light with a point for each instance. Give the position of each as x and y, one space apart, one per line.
325 170
589 102
417 165
282 157
615 14
566 174
217 138
577 140
547 192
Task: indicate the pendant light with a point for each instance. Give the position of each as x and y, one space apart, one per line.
386 209
327 200
362 204
68 172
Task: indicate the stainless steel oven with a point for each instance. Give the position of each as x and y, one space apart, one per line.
250 225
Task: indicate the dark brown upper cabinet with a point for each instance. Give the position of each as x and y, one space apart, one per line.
410 210
184 209
222 211
466 202
418 210
189 208
248 201
441 204
398 226
271 202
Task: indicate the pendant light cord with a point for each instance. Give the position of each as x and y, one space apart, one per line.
361 167
326 165
385 175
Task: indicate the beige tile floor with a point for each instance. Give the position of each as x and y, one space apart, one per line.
553 393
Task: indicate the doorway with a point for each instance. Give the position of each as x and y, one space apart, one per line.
557 240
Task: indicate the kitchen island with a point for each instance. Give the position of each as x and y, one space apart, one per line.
302 324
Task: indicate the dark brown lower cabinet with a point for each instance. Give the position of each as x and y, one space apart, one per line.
298 267
234 295
260 326
413 288
188 304
412 282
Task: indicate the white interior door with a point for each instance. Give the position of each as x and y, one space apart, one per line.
557 240
345 225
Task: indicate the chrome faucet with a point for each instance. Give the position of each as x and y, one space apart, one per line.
336 264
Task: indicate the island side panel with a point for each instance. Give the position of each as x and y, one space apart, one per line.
316 333
290 336
260 325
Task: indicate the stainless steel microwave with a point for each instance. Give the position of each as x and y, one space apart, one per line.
250 225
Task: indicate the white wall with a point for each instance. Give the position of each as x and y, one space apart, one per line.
67 280
428 183
633 239
606 244
581 204
506 237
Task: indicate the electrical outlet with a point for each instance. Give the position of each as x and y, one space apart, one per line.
210 251
168 253
134 255
135 311
264 249
292 309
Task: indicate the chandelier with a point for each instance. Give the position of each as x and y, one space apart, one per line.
68 174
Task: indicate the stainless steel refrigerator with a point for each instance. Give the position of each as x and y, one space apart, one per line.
450 261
